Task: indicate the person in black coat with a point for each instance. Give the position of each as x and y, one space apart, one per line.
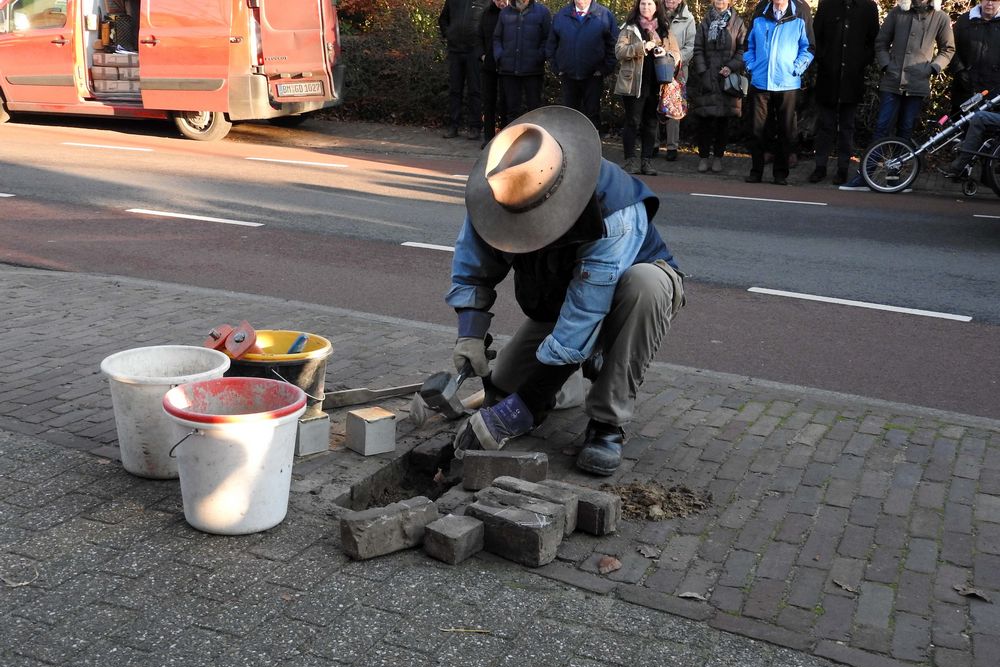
519 47
845 33
976 65
494 104
459 27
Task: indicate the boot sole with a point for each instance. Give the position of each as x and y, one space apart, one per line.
605 472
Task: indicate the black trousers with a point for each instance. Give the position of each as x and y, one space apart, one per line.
784 107
524 93
494 104
463 76
584 95
713 133
641 120
836 121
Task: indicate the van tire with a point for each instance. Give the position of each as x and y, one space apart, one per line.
288 121
202 125
4 114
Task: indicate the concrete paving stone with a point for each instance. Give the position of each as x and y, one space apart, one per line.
856 542
828 451
987 508
105 653
475 650
664 580
985 618
835 621
609 648
670 654
469 583
239 618
845 572
951 657
777 562
421 632
911 638
962 491
985 649
291 537
949 576
512 608
355 632
679 551
385 655
913 594
325 604
922 555
988 538
62 649
948 626
890 531
925 523
875 605
283 640
876 640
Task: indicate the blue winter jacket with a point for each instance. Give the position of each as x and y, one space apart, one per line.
778 52
569 282
579 48
519 40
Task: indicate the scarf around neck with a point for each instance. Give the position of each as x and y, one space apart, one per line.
648 25
718 24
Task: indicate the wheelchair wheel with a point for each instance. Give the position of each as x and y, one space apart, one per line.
991 171
890 165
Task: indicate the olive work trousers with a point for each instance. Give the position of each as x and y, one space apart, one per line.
646 300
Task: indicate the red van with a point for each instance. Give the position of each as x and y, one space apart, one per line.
204 64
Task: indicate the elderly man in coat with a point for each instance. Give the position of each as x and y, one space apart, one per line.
914 44
779 49
845 33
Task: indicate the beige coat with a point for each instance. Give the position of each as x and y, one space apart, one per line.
631 55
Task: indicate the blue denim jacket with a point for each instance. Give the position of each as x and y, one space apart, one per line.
628 238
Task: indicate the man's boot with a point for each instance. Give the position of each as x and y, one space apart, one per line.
602 449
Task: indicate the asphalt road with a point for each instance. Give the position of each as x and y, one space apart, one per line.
323 222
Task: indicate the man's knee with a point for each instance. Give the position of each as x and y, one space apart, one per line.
644 286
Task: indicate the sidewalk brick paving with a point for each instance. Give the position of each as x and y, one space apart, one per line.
839 526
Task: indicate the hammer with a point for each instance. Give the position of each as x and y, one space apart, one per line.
439 393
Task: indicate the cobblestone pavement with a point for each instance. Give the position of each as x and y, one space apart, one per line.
838 529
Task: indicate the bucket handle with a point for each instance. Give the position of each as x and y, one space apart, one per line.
178 443
315 398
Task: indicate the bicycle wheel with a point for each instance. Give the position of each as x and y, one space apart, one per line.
890 165
991 171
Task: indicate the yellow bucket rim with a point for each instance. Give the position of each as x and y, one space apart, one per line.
316 347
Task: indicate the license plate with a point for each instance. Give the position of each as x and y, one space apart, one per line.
300 89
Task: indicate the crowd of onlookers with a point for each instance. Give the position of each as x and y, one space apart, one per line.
498 51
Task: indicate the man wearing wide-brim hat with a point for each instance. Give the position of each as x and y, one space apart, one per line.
593 276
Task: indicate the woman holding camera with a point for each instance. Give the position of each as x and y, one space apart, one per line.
718 52
645 35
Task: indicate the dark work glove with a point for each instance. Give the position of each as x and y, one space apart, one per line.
491 428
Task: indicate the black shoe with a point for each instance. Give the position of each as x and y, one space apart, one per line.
647 168
671 155
753 177
818 174
841 177
474 135
450 134
780 180
602 449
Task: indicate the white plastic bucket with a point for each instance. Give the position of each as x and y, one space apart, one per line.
237 444
139 378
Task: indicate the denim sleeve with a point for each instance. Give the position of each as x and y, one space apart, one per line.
475 271
600 266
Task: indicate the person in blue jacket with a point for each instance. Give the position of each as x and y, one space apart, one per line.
519 48
581 52
779 49
591 272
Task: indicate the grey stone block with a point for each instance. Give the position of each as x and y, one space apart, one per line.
454 538
518 534
567 499
492 495
598 513
383 530
481 467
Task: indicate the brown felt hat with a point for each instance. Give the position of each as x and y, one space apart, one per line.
533 180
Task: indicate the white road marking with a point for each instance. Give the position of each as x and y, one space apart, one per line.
861 304
778 201
335 165
186 216
3 194
113 148
980 215
428 246
462 176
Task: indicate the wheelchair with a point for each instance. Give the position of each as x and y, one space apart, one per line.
893 164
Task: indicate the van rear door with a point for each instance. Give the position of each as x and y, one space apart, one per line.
293 50
184 51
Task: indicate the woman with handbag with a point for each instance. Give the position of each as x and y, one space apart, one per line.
718 92
642 40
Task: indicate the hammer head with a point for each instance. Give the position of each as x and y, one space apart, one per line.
439 393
